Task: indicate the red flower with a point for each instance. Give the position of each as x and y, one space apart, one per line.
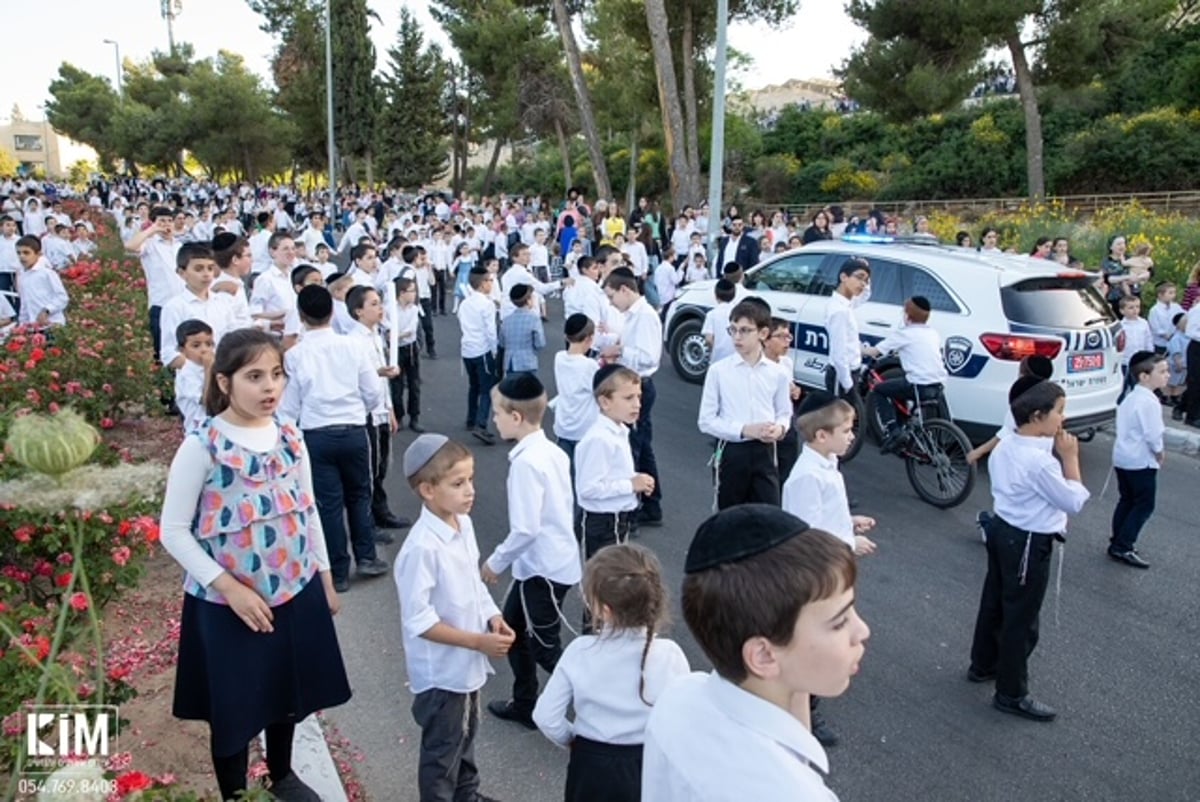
43 568
107 423
62 580
37 354
43 647
121 555
147 527
80 601
125 528
132 781
25 533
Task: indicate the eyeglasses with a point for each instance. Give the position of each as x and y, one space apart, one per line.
865 278
782 335
739 331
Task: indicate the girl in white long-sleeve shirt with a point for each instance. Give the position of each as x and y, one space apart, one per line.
612 679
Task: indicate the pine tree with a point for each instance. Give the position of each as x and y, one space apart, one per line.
411 131
354 98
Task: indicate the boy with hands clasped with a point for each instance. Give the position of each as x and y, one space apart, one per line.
450 624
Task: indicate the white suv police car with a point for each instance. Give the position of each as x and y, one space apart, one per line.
990 309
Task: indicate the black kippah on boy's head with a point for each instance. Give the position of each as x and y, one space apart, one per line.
478 270
1040 366
223 241
521 387
1022 386
599 376
740 532
519 293
315 302
815 400
575 324
921 302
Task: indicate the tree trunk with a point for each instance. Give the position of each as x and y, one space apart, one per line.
490 176
631 193
370 159
464 143
684 190
1034 158
583 99
690 110
566 152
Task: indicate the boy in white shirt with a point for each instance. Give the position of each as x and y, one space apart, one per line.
715 328
408 357
740 732
540 546
539 256
194 340
1137 455
1137 334
667 278
575 407
450 624
196 268
59 252
477 319
1162 315
43 299
920 349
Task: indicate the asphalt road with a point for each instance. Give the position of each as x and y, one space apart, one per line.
1120 663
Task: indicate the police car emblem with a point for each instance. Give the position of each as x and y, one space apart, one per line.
957 352
1092 340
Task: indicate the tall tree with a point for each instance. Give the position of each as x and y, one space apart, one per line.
685 177
583 98
354 96
925 55
83 106
412 128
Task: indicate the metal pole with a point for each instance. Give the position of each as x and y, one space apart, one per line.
329 106
120 79
716 168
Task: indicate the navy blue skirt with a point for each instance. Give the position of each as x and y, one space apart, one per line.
240 681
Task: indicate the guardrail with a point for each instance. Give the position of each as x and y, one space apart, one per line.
1183 202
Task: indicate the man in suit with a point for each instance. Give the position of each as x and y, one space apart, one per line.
738 247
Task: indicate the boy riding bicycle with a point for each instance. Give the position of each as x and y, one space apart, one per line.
920 349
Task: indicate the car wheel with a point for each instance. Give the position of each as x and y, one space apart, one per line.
689 352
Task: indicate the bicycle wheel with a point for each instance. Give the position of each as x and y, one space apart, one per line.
860 429
874 417
936 461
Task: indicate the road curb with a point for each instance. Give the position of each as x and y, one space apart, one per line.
312 761
1181 441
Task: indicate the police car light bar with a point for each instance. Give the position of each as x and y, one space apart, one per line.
868 239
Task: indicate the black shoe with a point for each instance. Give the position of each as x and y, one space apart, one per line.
415 427
1177 413
891 441
1130 557
822 732
384 537
507 711
390 521
484 436
1026 707
341 585
374 567
649 516
975 675
292 789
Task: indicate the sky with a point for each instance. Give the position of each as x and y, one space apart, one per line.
809 46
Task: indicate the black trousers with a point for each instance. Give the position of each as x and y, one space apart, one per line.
600 772
1138 489
408 358
532 610
787 451
156 331
1191 396
426 319
439 292
341 473
1006 628
602 529
832 387
8 283
380 437
747 474
641 442
481 377
448 721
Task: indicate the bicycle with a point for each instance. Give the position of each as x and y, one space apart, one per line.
933 447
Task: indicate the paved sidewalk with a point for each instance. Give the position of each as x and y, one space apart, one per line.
1179 438
312 761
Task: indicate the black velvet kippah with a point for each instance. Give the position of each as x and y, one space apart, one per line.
1022 386
521 387
223 241
817 399
478 270
739 532
519 293
1040 366
602 374
575 324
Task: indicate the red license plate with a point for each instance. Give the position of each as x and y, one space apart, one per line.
1081 363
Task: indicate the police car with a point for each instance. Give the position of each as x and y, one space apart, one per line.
991 310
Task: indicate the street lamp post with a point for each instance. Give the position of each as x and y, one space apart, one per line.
120 78
716 170
329 107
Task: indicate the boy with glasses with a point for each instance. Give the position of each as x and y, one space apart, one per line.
845 349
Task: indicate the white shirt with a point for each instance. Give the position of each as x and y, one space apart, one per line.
41 290
716 325
218 310
1139 431
273 293
641 339
312 238
539 255
845 350
189 394
406 324
604 468
1192 327
185 483
519 274
1029 490
667 279
1160 322
920 349
260 254
737 393
332 381
1137 338
342 321
710 741
374 342
158 263
541 530
585 297
729 254
815 492
600 676
575 407
57 251
636 252
477 319
437 578
9 263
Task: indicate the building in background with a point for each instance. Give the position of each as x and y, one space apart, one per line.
37 147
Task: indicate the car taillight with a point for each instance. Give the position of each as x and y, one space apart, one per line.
1015 347
1121 341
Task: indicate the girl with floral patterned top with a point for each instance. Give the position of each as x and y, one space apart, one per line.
257 647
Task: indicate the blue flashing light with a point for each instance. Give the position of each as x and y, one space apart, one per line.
869 239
